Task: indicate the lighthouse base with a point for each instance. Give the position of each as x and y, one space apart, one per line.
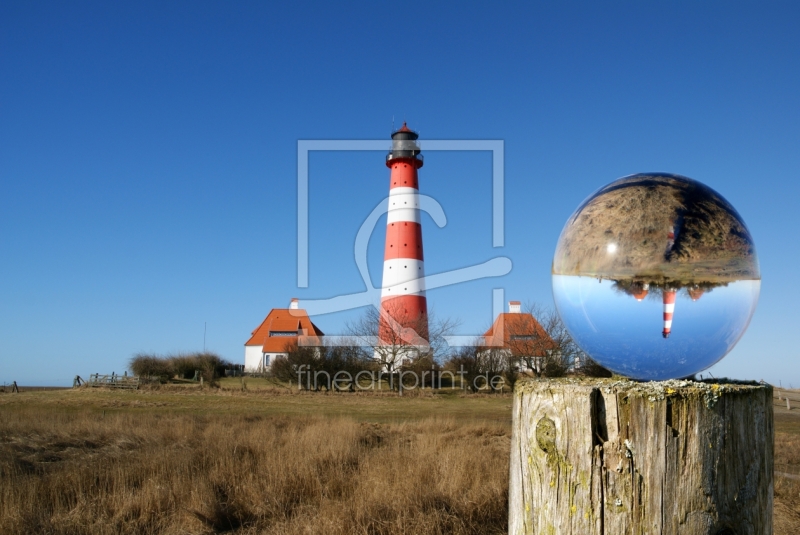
621 457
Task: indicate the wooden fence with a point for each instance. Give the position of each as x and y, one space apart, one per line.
112 381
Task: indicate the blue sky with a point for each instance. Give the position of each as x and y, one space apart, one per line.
148 156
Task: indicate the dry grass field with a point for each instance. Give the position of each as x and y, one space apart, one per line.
182 460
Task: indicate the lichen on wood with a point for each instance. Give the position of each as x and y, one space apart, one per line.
617 457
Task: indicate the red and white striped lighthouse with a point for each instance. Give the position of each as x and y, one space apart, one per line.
403 291
669 310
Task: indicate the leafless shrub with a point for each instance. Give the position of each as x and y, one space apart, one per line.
149 365
183 365
394 342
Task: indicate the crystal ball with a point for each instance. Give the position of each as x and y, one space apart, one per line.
656 276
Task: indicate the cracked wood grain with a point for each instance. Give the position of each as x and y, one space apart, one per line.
605 457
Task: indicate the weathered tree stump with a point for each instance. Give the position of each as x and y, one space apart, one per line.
606 457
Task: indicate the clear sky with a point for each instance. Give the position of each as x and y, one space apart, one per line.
148 156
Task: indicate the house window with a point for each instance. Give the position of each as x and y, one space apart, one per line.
283 333
266 359
522 337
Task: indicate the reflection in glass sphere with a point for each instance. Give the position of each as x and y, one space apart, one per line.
656 276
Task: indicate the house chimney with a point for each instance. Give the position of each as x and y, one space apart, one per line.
294 304
513 307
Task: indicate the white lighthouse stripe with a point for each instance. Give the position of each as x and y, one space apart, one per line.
413 287
403 207
399 270
667 324
403 191
669 308
407 215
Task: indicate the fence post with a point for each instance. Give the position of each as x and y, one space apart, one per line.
788 407
599 457
14 388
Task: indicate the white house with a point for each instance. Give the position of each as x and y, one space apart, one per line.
281 327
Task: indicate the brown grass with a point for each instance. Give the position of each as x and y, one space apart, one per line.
242 462
128 472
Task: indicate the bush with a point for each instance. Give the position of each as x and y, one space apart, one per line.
325 360
184 365
146 365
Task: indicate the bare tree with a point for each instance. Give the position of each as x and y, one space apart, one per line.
538 342
590 368
315 367
480 366
297 359
395 341
558 356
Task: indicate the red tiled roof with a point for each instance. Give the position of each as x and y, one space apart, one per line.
507 329
284 325
282 320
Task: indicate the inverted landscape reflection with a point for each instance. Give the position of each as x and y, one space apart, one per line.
656 276
626 334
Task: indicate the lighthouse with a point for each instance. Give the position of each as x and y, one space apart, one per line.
404 308
669 309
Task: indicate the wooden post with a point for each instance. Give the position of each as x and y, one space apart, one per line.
14 388
788 406
604 457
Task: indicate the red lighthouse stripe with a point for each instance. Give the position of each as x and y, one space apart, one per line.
404 174
403 240
411 313
411 306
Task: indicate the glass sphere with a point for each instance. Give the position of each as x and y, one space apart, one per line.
656 276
